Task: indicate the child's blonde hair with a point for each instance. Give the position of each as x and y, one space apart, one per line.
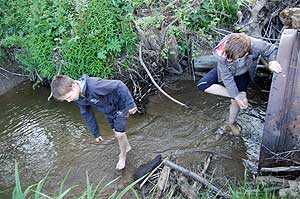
61 85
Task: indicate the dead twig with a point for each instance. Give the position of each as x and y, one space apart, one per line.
196 177
12 73
155 84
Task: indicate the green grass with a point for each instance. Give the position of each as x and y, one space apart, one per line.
36 191
95 191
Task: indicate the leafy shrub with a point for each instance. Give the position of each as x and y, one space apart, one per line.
89 35
212 14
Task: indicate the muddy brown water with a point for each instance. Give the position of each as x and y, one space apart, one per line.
50 137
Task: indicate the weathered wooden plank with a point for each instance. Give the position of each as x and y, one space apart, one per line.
281 135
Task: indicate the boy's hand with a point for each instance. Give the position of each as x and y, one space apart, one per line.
99 139
274 66
242 100
133 111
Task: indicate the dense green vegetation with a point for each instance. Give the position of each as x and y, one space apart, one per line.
89 36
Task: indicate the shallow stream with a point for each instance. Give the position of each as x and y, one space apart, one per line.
50 137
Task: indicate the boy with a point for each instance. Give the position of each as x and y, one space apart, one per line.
237 56
111 97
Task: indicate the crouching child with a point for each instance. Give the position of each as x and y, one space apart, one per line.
237 56
111 97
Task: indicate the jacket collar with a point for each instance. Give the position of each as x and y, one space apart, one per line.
82 83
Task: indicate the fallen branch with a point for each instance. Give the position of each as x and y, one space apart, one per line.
12 73
196 177
155 84
281 169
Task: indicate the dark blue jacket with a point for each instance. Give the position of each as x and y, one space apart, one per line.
107 96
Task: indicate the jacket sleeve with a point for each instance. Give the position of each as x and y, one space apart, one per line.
266 49
228 80
88 116
125 96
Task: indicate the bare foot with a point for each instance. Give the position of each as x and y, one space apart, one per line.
128 148
121 163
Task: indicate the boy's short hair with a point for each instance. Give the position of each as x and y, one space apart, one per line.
61 85
237 46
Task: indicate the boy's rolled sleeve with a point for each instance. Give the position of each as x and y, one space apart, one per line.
228 80
88 115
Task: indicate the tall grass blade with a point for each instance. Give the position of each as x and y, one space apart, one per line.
129 187
61 196
63 182
135 193
88 187
107 185
97 187
17 193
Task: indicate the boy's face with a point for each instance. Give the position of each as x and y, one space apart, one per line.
73 94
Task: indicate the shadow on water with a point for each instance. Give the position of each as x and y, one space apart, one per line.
51 137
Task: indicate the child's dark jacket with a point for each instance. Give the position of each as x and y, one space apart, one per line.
107 96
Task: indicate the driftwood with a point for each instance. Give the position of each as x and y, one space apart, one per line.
281 169
162 181
196 177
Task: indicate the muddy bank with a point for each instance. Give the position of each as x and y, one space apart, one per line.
9 80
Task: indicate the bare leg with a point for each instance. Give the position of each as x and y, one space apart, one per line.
217 89
124 148
233 111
